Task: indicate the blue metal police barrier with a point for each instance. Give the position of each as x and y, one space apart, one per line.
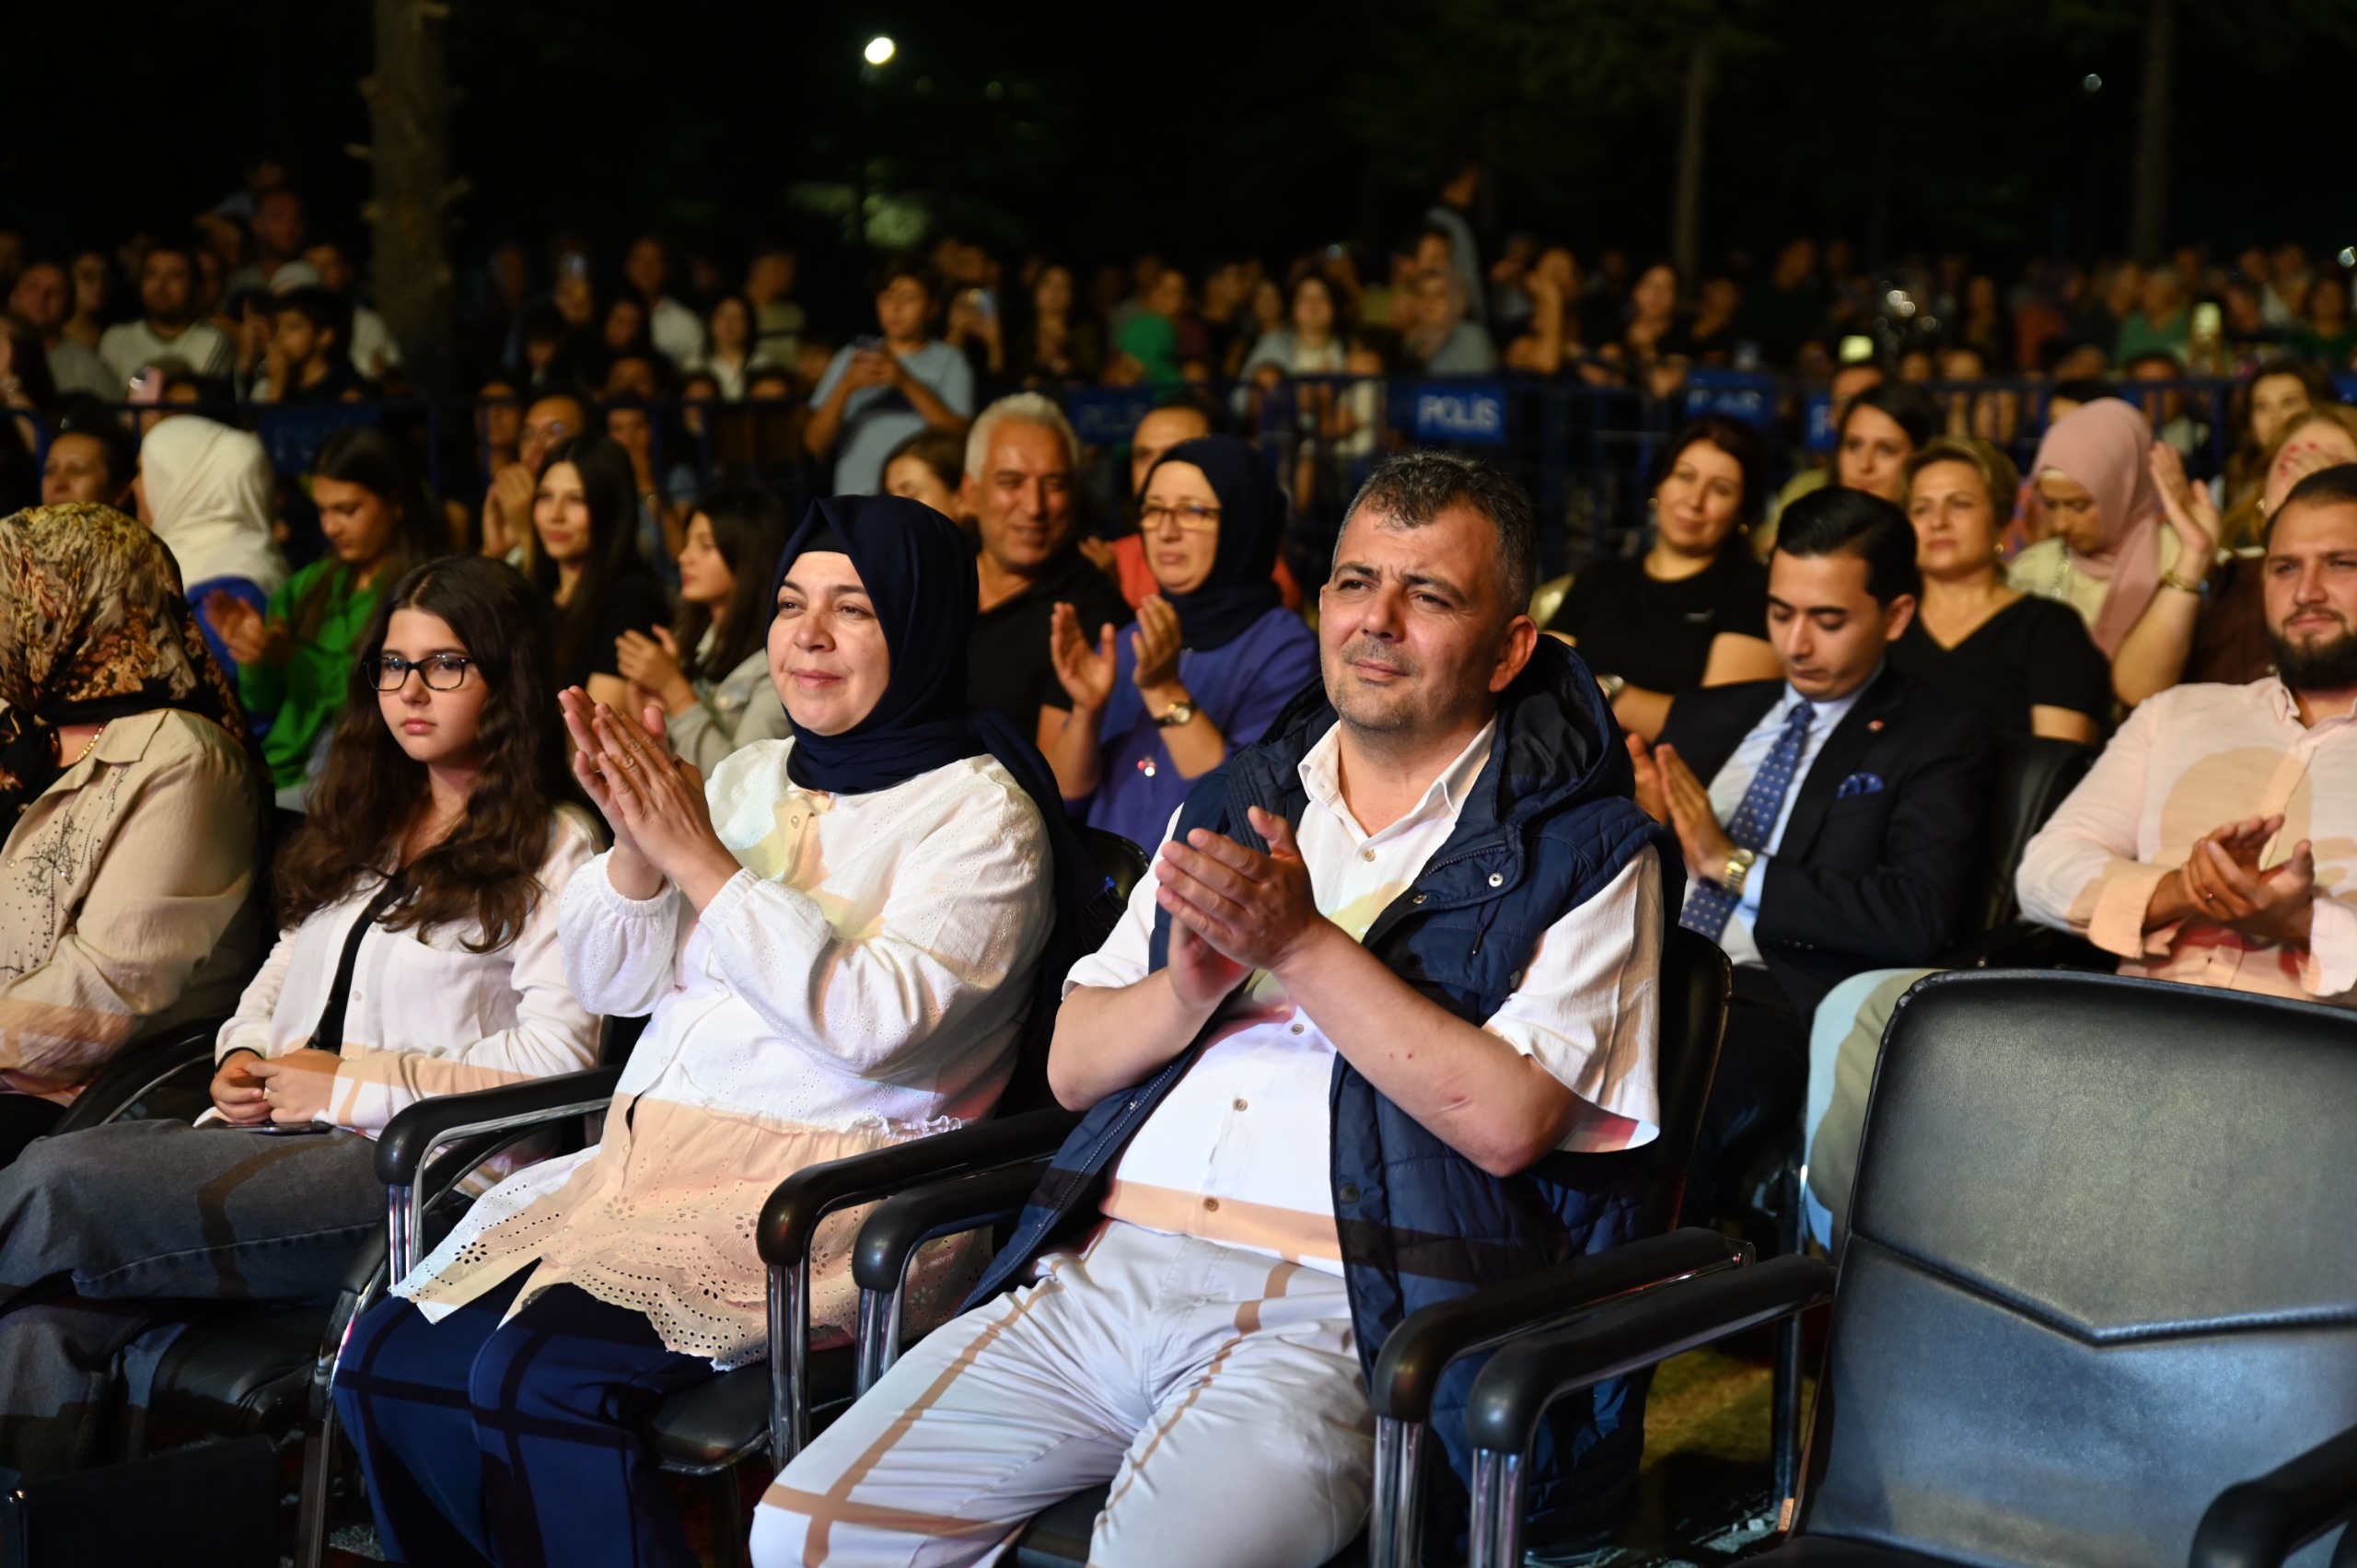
1817 426
1733 394
1463 413
1104 416
292 433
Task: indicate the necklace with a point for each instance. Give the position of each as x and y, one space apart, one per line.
90 747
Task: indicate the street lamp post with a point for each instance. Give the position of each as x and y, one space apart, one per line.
876 55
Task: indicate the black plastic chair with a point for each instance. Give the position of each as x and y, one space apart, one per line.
2033 776
992 1191
2096 1277
268 1369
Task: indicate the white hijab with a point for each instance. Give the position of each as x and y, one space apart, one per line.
209 489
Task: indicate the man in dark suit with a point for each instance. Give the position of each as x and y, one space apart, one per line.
1841 816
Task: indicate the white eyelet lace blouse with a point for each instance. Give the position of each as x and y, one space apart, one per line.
858 983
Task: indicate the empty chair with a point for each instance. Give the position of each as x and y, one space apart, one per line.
2095 1278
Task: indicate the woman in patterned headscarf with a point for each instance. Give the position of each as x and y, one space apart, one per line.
130 804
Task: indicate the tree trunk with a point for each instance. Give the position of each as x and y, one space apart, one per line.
1686 230
2147 221
408 103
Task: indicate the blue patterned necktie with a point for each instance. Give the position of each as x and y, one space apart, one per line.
1708 905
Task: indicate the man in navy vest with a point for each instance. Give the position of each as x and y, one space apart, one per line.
1377 1032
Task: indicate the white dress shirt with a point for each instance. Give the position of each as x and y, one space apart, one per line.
2187 763
1728 785
858 983
426 1017
1239 1152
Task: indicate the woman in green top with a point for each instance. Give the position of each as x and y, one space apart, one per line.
295 663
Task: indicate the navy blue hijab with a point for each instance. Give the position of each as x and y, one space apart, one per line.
918 570
1239 589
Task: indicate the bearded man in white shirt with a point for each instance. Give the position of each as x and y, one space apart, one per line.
2214 842
1371 1035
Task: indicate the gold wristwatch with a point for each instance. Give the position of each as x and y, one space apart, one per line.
1176 713
1738 869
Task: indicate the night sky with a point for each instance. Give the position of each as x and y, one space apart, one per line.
1202 130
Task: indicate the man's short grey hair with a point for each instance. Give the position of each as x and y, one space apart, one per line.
1411 490
1024 408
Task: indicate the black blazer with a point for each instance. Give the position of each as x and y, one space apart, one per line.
1876 878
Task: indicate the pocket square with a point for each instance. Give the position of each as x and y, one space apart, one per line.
1859 784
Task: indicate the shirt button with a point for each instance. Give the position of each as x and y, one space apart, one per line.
1242 1106
1367 855
1211 1206
1297 1029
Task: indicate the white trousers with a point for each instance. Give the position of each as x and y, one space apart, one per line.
1218 1390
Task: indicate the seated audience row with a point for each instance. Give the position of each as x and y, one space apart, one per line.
842 874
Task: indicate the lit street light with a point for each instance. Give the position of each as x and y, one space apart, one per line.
879 49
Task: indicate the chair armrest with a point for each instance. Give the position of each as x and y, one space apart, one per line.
136 1069
1526 1378
1417 1353
2024 944
2258 1524
415 1131
900 1224
791 1216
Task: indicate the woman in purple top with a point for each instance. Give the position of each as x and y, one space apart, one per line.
1214 655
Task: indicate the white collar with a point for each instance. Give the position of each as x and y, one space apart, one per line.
1444 797
1829 711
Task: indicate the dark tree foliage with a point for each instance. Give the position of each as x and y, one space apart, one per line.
1204 130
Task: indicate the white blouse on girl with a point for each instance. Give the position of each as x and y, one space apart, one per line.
426 1017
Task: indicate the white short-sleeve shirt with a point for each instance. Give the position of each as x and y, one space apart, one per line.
1240 1150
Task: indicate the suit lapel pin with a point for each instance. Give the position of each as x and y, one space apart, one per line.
1873 724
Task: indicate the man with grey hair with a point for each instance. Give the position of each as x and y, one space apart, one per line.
1022 462
1377 1025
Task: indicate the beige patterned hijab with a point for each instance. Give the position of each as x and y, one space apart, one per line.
92 628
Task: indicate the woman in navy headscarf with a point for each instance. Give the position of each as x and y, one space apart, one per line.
1214 656
835 937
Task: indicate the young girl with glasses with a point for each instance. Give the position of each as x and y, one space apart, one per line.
418 956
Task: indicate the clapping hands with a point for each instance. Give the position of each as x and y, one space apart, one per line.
1667 791
652 799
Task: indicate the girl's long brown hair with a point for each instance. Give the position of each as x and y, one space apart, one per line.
486 869
748 530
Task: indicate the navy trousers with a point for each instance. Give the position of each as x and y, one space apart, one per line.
515 1443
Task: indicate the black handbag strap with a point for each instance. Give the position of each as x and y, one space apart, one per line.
328 1036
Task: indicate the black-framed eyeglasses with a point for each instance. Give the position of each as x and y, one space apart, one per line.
441 673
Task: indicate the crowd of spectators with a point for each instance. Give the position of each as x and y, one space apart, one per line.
598 738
